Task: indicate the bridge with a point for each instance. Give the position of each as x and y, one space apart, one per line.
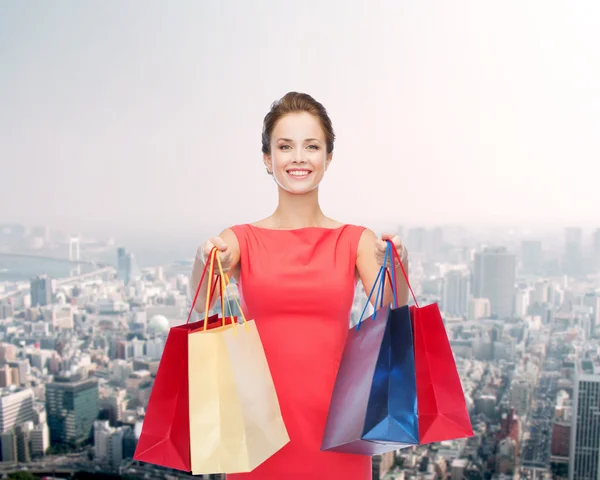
33 256
104 272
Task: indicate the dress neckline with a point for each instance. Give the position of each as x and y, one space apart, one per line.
296 229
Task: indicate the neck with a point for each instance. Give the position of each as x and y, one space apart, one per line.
298 211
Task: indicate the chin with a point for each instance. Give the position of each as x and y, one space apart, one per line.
298 189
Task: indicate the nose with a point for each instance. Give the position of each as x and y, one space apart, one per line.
299 156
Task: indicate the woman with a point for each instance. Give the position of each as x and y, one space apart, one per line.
297 271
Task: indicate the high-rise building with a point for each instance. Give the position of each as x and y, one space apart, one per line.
108 443
479 308
596 241
40 439
125 265
522 302
416 240
541 292
9 447
532 256
494 279
520 396
23 434
16 408
561 435
8 352
585 430
596 249
456 291
72 405
41 291
573 256
592 300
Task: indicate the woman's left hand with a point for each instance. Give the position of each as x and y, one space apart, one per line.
381 245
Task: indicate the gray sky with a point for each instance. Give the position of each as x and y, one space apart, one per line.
146 116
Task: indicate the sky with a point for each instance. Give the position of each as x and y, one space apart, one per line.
144 117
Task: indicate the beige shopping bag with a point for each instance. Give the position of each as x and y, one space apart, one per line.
235 418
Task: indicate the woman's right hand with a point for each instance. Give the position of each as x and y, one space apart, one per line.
224 252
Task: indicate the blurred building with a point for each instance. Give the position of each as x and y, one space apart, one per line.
494 279
561 438
125 265
456 291
16 408
41 291
72 405
573 255
585 430
532 257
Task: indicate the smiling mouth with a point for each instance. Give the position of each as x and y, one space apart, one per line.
299 173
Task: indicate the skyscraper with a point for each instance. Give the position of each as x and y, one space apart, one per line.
41 291
494 279
596 242
596 249
532 256
585 431
455 293
15 409
573 255
592 300
125 265
72 406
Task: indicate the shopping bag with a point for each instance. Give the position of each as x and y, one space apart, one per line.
443 413
373 408
165 436
235 418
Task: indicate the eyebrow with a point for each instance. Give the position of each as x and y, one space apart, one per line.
291 141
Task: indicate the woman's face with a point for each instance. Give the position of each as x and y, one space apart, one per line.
298 157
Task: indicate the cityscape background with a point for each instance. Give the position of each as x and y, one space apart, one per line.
83 334
130 133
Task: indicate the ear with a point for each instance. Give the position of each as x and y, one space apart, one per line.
268 161
329 159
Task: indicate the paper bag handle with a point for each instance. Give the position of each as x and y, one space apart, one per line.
227 282
393 268
380 285
208 289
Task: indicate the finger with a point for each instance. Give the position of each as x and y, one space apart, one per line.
219 243
207 248
388 236
225 258
380 246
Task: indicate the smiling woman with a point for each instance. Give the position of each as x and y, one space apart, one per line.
297 271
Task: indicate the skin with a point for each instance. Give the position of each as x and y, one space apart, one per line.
298 143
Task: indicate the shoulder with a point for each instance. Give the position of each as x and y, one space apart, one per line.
233 235
367 241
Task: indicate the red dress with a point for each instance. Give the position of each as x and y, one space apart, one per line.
298 286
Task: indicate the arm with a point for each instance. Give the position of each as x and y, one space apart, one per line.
229 252
368 268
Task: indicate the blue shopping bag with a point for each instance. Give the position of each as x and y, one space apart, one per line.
373 408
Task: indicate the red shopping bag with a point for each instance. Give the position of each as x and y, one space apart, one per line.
442 408
165 436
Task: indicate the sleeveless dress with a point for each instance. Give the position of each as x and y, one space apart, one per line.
298 286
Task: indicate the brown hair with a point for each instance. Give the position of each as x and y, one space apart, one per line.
294 102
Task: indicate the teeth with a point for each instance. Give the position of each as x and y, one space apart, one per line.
299 173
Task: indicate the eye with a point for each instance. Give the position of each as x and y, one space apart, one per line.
314 147
283 147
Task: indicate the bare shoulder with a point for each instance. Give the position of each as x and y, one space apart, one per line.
230 238
367 242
